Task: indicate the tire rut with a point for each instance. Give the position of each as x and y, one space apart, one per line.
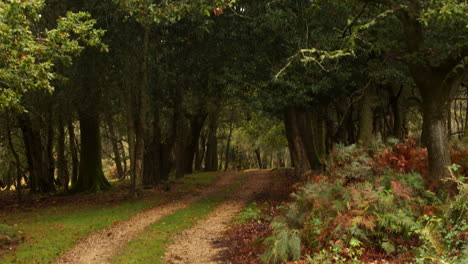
201 243
100 246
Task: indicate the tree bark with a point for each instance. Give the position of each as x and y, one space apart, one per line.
115 147
37 154
465 134
366 137
62 164
90 177
211 159
196 124
73 151
141 119
297 146
153 151
228 144
17 160
259 158
436 85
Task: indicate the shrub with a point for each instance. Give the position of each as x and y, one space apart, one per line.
371 207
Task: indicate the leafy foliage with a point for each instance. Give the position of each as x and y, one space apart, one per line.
357 209
28 57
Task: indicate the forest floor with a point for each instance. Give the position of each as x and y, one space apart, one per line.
101 246
191 222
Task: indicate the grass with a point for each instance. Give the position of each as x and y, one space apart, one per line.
50 232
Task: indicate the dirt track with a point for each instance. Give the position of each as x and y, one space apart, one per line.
200 244
100 246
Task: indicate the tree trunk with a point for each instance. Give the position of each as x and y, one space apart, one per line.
319 135
211 160
115 147
198 155
38 156
152 161
73 151
62 166
305 127
196 125
228 144
181 148
90 177
366 137
437 140
202 152
449 120
17 160
259 158
141 119
297 146
465 133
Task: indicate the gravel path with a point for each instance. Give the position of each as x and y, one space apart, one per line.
200 244
100 246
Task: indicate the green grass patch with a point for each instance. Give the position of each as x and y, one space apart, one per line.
50 232
150 247
248 213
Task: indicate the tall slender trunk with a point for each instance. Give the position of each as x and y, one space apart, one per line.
196 124
152 164
17 160
228 144
465 133
141 119
38 156
62 164
73 151
201 152
366 137
449 120
115 147
211 160
259 158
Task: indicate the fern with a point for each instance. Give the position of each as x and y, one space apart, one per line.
432 234
282 246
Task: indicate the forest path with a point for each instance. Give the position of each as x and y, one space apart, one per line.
201 243
100 246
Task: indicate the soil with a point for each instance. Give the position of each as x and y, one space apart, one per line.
203 242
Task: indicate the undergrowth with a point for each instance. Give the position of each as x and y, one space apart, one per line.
373 206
